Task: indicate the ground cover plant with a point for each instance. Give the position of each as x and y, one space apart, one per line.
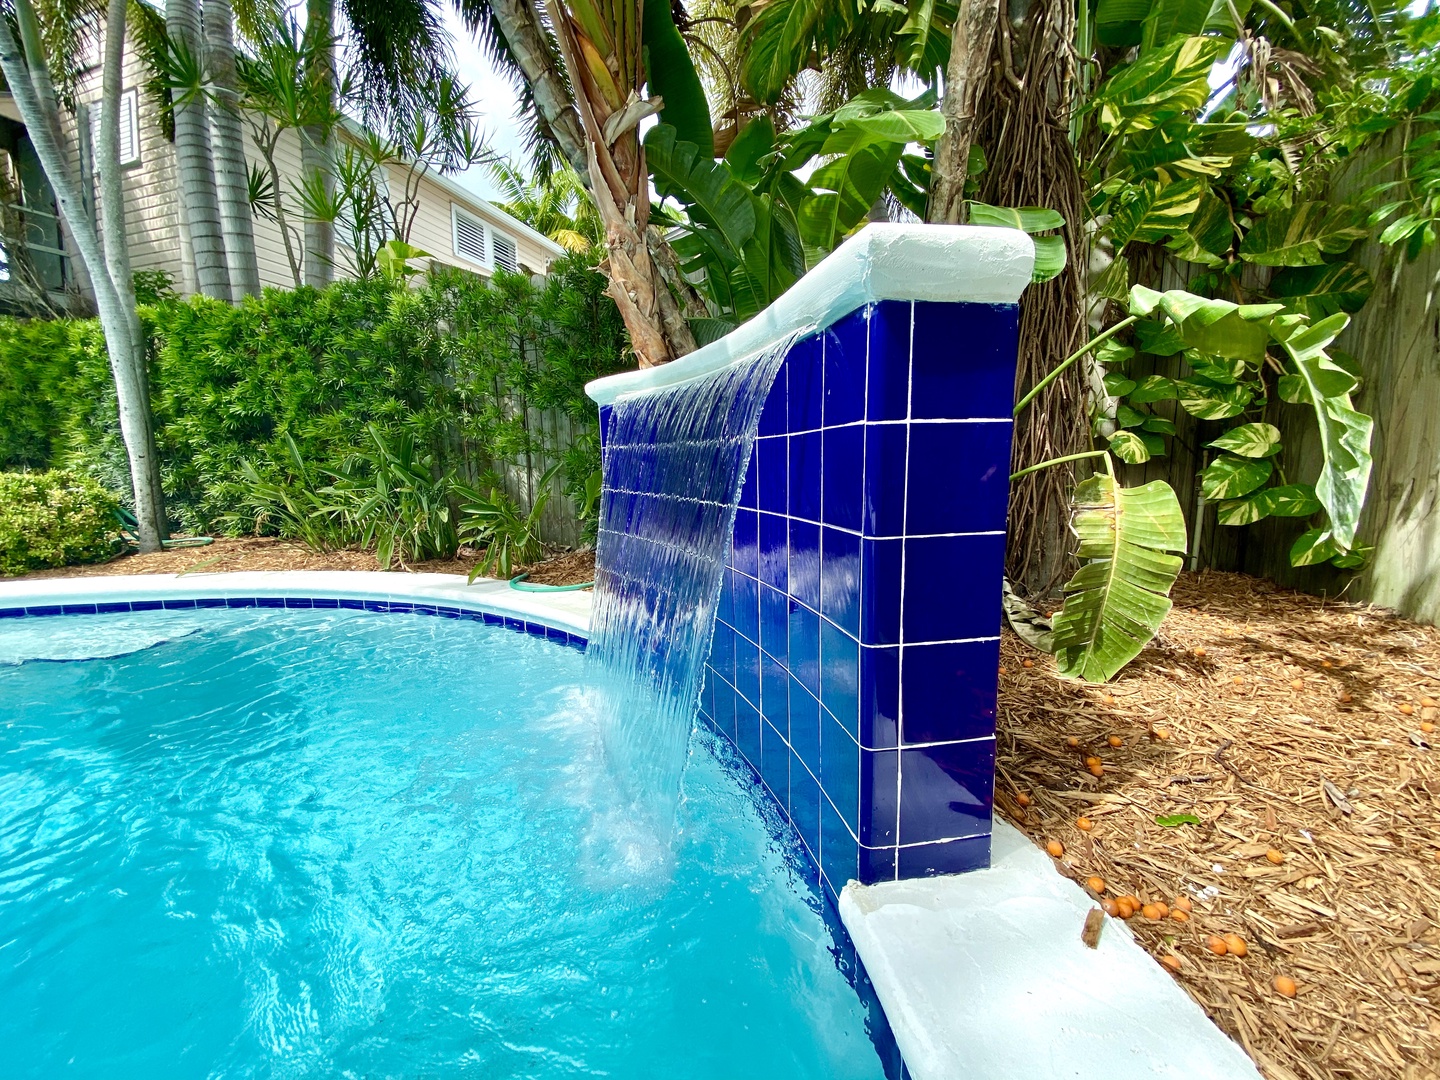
55 518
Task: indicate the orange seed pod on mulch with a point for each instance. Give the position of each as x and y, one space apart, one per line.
1346 697
1406 708
1160 733
1163 907
1236 944
1116 741
1427 726
1180 916
1429 703
1084 824
1022 799
1152 912
1285 986
1055 848
1172 962
1004 671
1217 945
1072 742
1297 684
1200 650
1097 769
1182 903
1108 699
1276 857
1110 907
1125 908
1027 663
1095 884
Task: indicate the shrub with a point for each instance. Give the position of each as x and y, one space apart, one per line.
55 518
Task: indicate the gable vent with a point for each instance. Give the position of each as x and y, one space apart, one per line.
506 257
469 236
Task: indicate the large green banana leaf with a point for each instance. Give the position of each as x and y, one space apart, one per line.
1116 601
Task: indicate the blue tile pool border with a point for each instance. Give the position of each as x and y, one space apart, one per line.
535 628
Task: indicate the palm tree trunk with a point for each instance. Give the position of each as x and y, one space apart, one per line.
520 23
227 142
127 362
196 167
971 41
316 150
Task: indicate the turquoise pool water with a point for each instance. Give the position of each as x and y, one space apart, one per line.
338 844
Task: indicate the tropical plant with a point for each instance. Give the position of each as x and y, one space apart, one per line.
509 535
26 71
55 518
288 500
556 205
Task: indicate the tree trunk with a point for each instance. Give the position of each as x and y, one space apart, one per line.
971 42
196 167
127 363
227 142
520 23
316 150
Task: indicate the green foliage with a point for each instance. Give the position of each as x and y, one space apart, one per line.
55 518
1118 598
509 535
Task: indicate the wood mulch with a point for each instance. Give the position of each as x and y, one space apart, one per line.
271 553
1284 723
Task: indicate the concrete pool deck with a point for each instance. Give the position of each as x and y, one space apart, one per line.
982 976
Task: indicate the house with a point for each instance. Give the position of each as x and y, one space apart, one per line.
452 225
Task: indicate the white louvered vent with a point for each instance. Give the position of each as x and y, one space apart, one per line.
506 257
129 129
469 236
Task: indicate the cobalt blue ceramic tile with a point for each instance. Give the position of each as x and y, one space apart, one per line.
840 769
839 856
368 605
805 450
840 676
605 413
772 472
880 595
750 486
705 722
805 727
959 477
879 695
510 623
888 378
237 602
746 607
775 694
774 623
575 641
489 618
877 864
804 573
803 657
775 764
964 363
552 633
948 691
773 418
952 587
747 670
845 348
325 602
725 603
879 792
747 731
805 373
724 705
706 704
219 602
105 608
293 602
840 579
745 548
883 491
189 605
805 806
77 609
946 791
722 652
58 609
945 857
449 612
19 612
844 450
775 551
536 629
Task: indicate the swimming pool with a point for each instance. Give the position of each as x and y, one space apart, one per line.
252 843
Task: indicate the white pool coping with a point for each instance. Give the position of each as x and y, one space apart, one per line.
569 611
983 976
884 261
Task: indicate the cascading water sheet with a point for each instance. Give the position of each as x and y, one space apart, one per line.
673 466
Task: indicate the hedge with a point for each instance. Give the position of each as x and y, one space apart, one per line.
55 518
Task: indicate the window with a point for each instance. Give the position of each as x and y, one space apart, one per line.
506 257
469 236
129 129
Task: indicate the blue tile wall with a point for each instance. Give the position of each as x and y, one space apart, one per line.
857 642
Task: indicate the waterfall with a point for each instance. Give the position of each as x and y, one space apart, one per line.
674 464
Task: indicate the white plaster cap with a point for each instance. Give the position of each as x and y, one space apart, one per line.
975 263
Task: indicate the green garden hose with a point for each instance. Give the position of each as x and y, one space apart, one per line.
519 584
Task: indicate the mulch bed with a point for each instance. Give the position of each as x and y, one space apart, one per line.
1284 723
270 553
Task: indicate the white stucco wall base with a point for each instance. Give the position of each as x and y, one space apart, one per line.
983 976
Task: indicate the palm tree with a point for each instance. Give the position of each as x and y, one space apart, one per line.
227 144
557 205
27 73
